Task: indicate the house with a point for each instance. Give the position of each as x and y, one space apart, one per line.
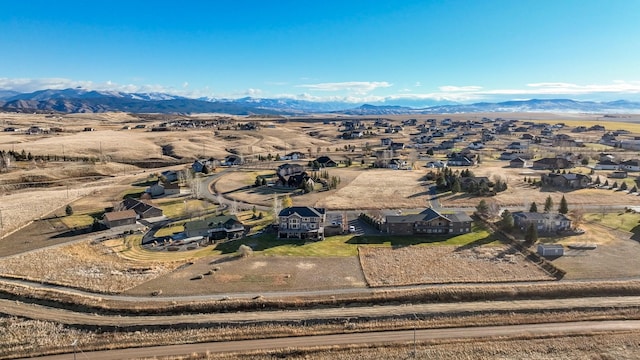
289 169
550 250
386 141
527 136
544 222
296 155
156 189
447 144
199 166
607 164
476 145
618 175
396 146
567 181
552 164
476 182
171 188
461 160
397 164
436 164
216 228
119 218
326 161
302 222
518 163
143 209
169 175
509 155
428 221
232 160
630 165
516 145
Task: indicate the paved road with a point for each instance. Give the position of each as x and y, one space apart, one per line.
403 336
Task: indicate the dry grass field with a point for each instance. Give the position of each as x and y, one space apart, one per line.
392 189
92 267
618 346
522 194
446 264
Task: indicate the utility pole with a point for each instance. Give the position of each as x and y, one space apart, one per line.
1 226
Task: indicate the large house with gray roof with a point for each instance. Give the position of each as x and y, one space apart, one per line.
544 222
428 221
301 222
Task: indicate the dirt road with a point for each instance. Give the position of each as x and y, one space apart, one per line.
406 336
39 312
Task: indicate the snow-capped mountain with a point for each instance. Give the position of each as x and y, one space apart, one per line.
81 100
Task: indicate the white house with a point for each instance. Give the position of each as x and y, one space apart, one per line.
476 145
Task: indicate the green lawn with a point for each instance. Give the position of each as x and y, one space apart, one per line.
77 220
626 221
170 230
347 245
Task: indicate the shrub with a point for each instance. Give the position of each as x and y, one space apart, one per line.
245 251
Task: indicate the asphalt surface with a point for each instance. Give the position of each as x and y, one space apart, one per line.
404 336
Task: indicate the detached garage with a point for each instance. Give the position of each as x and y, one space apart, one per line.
119 218
550 250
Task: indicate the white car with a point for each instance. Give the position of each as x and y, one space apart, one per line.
352 229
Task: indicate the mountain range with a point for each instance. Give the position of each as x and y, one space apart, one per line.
91 101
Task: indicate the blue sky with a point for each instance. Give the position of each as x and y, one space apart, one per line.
360 51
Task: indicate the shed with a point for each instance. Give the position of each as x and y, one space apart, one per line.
550 250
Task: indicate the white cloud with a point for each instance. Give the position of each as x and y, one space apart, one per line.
355 87
450 88
253 92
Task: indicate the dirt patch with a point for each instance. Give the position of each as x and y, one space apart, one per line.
614 258
446 264
257 274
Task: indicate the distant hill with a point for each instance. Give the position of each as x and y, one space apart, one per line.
85 101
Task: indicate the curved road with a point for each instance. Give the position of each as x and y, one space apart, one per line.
403 336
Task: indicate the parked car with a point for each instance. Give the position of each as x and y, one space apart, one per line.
352 229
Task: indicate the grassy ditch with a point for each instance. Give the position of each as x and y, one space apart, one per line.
449 293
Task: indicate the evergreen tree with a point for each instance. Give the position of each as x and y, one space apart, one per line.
68 210
533 208
597 182
455 187
606 183
531 236
564 207
623 186
548 204
482 207
615 185
506 223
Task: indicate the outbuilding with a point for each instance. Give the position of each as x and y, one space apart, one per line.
550 250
